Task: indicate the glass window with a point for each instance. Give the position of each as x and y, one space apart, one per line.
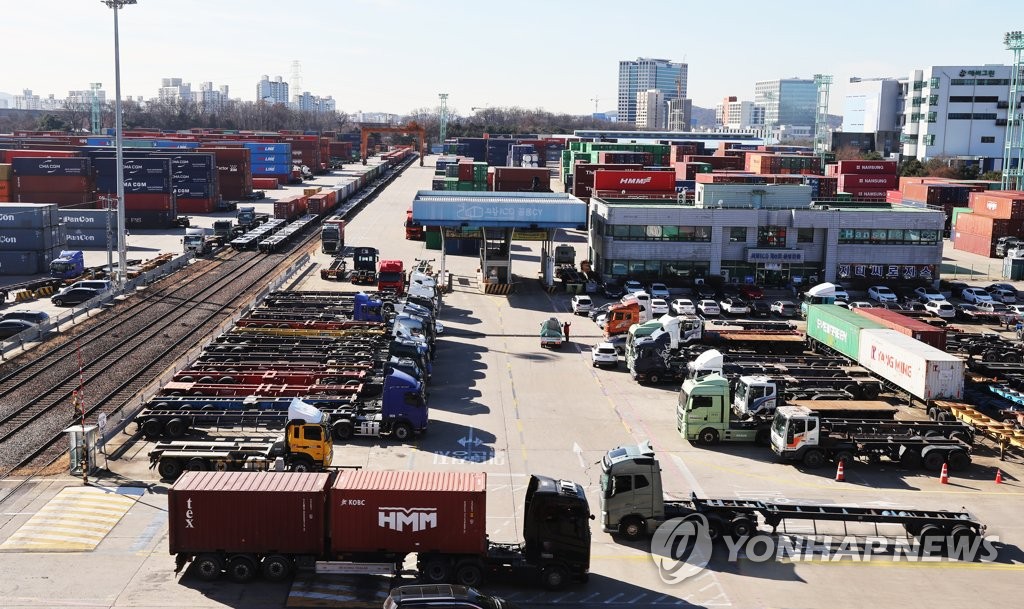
895 236
861 235
623 484
686 233
738 234
311 433
878 235
771 236
701 401
654 232
988 139
653 267
636 267
621 231
845 235
670 233
805 235
702 233
929 236
640 482
637 231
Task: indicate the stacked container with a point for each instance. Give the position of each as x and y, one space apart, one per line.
865 180
87 228
5 182
522 155
148 198
522 179
583 177
30 237
822 187
66 181
271 160
781 163
994 214
234 172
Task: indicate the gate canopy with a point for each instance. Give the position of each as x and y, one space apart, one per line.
498 209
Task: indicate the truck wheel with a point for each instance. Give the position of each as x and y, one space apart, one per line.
276 567
241 569
343 430
206 380
714 528
169 469
653 379
220 466
933 413
554 577
208 567
633 528
742 526
226 380
436 571
870 392
934 460
402 431
468 574
302 465
198 464
910 459
708 436
958 460
813 459
176 428
931 535
152 429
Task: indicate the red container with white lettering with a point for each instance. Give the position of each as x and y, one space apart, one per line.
652 182
409 511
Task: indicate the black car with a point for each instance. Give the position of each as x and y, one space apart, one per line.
13 327
601 310
442 596
36 317
612 290
74 296
760 308
967 312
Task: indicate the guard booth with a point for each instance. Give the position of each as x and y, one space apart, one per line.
83 448
497 219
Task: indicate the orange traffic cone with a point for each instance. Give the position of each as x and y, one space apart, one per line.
944 476
841 471
999 476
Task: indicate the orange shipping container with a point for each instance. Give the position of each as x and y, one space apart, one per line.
977 224
5 188
1002 204
983 245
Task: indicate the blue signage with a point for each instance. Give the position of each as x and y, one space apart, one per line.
498 209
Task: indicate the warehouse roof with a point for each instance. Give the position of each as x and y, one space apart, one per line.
498 209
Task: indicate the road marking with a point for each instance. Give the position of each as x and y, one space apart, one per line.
614 597
636 599
87 514
579 454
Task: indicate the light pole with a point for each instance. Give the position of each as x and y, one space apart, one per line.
122 255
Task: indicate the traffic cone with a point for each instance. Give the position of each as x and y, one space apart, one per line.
999 476
944 476
841 471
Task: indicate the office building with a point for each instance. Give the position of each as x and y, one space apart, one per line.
650 110
680 114
644 74
173 90
872 115
272 91
735 114
788 101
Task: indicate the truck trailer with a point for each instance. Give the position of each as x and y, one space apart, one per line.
360 521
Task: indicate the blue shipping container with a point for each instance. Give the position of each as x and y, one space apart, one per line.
192 191
265 170
134 166
174 144
58 166
135 184
260 158
99 141
270 148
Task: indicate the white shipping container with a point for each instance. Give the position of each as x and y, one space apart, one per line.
924 371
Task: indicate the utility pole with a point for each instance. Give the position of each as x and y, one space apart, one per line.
443 118
1013 172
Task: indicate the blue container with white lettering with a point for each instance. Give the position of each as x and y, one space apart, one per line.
270 148
266 170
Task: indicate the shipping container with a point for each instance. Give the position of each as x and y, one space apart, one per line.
925 372
211 511
914 328
90 238
28 215
55 166
149 219
32 239
149 202
269 147
84 218
196 206
23 263
27 184
982 245
1004 205
861 166
407 511
135 167
650 182
61 199
837 328
978 224
867 181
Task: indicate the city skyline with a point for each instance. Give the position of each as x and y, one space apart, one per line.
360 43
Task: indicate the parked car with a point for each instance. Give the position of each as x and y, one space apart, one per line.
784 308
601 310
967 312
600 320
892 306
974 295
619 342
925 294
1016 308
659 290
612 290
1003 286
682 306
442 596
751 291
1000 294
734 306
881 293
760 308
604 354
13 327
36 317
860 304
100 285
940 308
993 307
581 304
633 286
842 294
659 306
74 296
708 308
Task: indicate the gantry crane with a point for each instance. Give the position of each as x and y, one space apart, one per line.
412 128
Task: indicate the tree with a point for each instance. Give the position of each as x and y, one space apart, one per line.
912 168
874 155
992 176
52 122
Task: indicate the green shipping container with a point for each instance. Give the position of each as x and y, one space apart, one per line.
838 328
433 239
464 186
956 213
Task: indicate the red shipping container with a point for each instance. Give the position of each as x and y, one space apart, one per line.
12 154
583 176
848 181
977 224
62 199
1002 204
635 181
265 183
318 203
862 166
5 188
465 172
914 328
983 245
149 202
211 511
730 177
51 184
893 196
716 162
409 511
196 206
866 193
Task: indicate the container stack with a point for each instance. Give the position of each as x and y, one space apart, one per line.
865 180
194 182
822 187
583 177
522 155
522 179
65 180
5 182
305 151
271 160
87 228
148 198
234 172
994 214
770 163
30 237
466 176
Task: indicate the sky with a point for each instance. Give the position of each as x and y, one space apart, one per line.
397 55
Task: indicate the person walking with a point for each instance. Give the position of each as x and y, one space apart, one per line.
565 330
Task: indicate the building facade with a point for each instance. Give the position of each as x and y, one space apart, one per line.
210 99
307 102
788 101
644 74
27 101
680 114
85 98
173 90
272 91
768 234
956 112
735 114
650 109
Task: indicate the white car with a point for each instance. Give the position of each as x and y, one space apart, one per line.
734 306
659 290
861 304
683 306
881 293
601 320
604 354
708 308
975 295
659 306
1002 295
928 294
581 304
940 308
633 286
841 294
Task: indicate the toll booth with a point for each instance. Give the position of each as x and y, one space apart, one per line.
83 448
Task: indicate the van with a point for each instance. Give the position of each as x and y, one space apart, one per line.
441 596
100 285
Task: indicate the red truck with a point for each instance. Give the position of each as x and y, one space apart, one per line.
413 229
358 520
391 276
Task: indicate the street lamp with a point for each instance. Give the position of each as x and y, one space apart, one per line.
122 255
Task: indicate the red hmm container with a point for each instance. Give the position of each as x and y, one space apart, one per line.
1002 204
914 328
583 176
860 166
660 182
257 512
409 511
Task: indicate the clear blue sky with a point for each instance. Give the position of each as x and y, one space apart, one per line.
396 55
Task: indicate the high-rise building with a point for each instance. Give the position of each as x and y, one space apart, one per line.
84 98
174 90
650 110
307 102
788 101
272 91
644 74
871 105
210 99
27 101
735 114
680 111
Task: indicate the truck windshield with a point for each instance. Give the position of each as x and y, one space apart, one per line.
684 397
60 267
779 424
390 277
741 393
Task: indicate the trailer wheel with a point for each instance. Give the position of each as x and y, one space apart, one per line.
961 532
715 527
945 416
933 460
176 428
958 460
206 379
930 534
302 465
226 380
708 436
468 574
436 571
870 392
402 431
343 430
853 390
186 379
169 469
152 429
910 459
933 413
554 577
741 526
276 567
208 567
813 459
198 464
241 569
220 466
632 528
961 436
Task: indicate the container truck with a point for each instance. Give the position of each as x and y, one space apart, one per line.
362 521
633 505
823 293
391 276
364 266
197 241
332 235
247 219
70 264
914 328
413 229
